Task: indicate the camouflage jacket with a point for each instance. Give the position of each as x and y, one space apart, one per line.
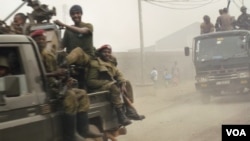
49 61
101 75
243 21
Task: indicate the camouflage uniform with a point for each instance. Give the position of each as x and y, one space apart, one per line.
81 50
105 76
243 21
75 100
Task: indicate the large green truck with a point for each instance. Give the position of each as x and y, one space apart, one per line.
222 63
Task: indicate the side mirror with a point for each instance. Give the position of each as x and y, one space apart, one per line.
187 51
12 86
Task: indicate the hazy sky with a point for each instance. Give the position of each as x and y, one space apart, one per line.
116 22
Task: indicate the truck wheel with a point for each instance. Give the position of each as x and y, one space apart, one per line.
95 129
205 98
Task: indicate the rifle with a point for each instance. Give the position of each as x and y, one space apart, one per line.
64 82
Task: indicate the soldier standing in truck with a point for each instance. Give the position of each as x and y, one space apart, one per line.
226 21
243 21
75 101
206 26
217 24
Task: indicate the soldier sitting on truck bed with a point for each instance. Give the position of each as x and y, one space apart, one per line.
78 37
105 54
75 102
103 75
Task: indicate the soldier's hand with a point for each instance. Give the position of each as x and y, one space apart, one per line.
61 71
71 82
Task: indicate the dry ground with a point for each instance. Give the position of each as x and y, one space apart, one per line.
177 114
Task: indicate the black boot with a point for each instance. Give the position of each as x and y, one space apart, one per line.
132 114
83 126
69 128
122 117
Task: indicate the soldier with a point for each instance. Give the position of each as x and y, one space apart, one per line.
4 66
206 26
112 59
75 101
78 35
217 25
19 25
225 21
78 41
104 75
131 112
243 21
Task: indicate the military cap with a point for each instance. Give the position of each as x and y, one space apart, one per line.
39 32
75 8
105 46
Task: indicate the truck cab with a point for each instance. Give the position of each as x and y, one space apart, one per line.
221 61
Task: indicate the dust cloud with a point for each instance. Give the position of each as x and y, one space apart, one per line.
176 113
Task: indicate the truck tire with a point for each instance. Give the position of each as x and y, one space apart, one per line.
95 129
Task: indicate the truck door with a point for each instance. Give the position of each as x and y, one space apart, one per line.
22 100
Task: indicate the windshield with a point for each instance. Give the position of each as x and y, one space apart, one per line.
220 48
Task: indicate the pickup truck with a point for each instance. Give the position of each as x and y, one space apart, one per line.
27 113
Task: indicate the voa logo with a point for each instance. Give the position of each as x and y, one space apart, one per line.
236 132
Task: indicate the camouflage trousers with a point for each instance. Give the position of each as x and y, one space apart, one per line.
129 93
76 100
116 96
77 56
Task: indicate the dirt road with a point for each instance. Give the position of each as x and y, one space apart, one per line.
177 114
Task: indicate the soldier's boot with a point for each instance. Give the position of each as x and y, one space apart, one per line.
83 126
77 56
122 118
69 128
131 113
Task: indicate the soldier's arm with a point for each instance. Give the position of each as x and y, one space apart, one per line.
201 29
239 22
50 71
93 80
84 30
119 77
